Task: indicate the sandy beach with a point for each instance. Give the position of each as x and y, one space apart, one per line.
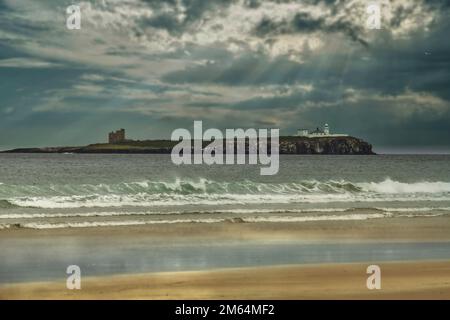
424 279
402 280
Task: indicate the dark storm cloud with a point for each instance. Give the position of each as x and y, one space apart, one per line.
193 10
305 23
389 66
164 21
438 4
154 65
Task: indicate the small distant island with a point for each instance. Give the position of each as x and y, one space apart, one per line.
304 142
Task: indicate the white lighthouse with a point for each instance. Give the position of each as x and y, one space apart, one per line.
318 133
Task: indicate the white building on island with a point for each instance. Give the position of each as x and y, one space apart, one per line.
319 133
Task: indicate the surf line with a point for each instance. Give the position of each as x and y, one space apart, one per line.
239 144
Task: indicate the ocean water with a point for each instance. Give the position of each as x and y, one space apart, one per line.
48 191
81 190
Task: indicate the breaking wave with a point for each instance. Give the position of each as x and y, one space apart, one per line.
209 192
5 204
269 219
389 186
399 212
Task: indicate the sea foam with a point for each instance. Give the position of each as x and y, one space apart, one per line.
208 192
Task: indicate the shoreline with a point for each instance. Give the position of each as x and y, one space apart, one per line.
414 278
400 280
420 229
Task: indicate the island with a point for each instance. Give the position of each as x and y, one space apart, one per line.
305 142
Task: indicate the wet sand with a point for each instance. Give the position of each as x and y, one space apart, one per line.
402 280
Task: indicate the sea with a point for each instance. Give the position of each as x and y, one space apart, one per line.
78 191
48 191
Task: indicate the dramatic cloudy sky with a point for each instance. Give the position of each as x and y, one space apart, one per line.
151 66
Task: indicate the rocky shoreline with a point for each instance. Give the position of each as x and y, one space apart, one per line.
324 145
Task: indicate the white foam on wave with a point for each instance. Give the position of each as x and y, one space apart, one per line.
409 215
144 213
395 187
145 200
71 214
360 216
90 224
213 200
273 219
214 212
207 192
417 209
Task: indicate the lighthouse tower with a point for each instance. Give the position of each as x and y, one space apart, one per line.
326 129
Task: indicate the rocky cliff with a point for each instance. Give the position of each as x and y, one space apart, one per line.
325 145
